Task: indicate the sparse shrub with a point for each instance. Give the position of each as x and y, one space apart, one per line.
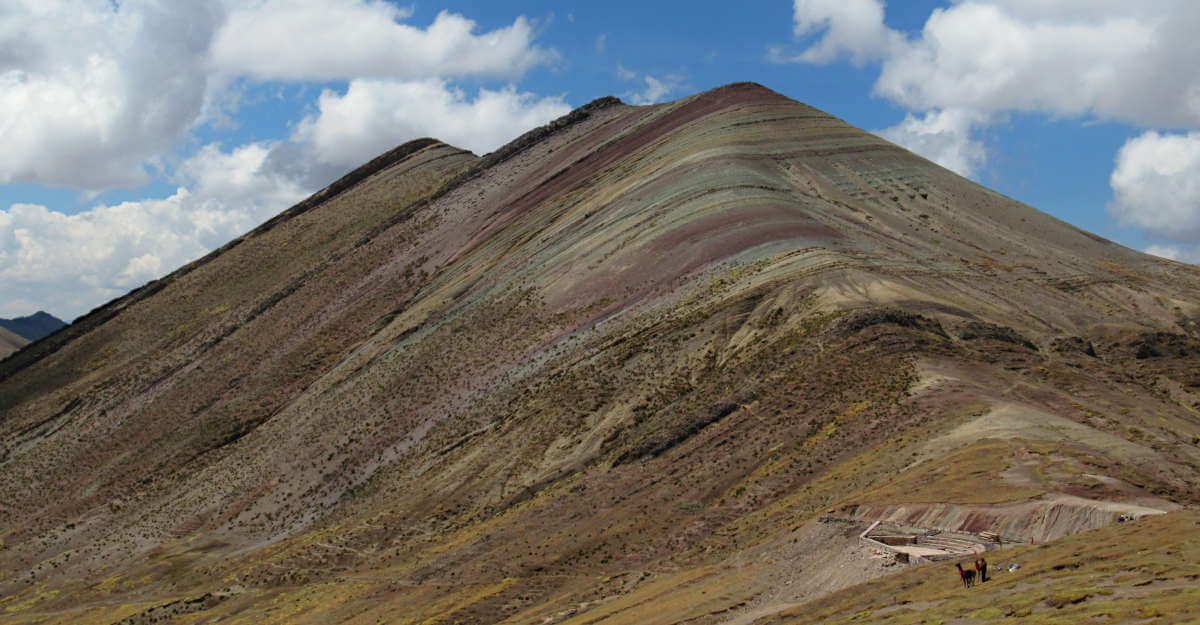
981 330
861 319
1067 598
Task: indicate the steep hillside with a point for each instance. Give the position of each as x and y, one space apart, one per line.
654 364
10 342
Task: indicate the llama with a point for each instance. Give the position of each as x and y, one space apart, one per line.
981 568
967 576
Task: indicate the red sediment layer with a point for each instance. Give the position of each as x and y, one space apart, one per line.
573 174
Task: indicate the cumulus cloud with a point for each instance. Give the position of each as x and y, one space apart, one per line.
72 263
852 28
1132 62
1125 61
375 115
94 92
91 91
943 137
1156 185
241 179
97 94
69 264
339 39
1128 61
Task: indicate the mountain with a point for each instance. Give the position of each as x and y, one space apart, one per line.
10 342
34 326
646 364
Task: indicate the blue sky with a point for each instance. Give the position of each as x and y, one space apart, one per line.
142 134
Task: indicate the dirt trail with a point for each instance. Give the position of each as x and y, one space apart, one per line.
816 560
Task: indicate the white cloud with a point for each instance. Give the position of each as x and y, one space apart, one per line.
1183 254
1170 252
655 88
92 91
68 264
943 137
1130 65
375 115
654 91
1156 185
853 28
1129 61
975 60
341 39
96 94
240 177
71 263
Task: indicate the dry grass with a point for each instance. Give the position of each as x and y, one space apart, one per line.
1125 573
392 410
971 475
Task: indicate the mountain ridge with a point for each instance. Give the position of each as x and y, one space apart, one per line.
632 345
33 327
18 332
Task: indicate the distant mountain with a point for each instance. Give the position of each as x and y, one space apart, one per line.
644 365
34 326
10 342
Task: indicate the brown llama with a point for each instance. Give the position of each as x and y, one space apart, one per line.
981 568
967 575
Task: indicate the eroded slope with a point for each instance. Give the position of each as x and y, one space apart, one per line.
575 380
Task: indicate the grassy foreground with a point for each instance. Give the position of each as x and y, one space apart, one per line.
1146 571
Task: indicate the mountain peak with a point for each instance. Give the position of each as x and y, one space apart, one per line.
745 90
632 345
33 327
